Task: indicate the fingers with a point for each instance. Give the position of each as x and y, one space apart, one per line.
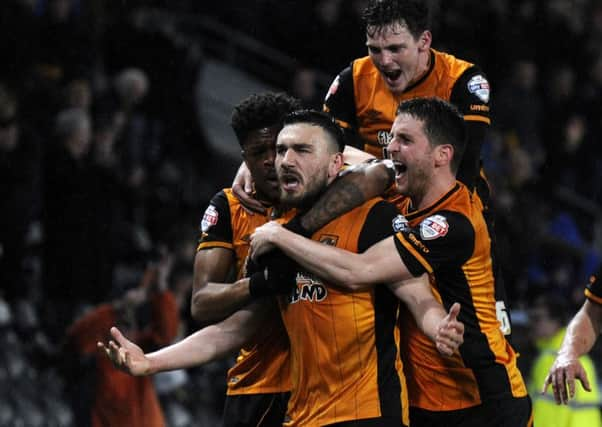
547 383
559 386
584 381
454 311
116 333
570 381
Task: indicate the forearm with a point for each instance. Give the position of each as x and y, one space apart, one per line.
430 318
355 185
416 293
211 343
336 266
216 301
201 347
582 332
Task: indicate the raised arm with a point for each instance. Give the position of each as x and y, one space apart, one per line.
211 343
379 264
579 339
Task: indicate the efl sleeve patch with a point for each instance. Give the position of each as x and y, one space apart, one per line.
479 86
471 94
215 225
443 240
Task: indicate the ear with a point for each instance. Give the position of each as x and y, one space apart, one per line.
444 155
425 40
335 166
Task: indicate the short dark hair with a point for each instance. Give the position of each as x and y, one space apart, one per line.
381 14
320 119
443 124
260 111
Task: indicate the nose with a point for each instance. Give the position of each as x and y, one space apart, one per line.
392 147
386 57
270 158
288 157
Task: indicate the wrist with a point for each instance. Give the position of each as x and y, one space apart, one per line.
258 285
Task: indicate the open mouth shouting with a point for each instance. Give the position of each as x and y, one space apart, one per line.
400 168
391 77
290 181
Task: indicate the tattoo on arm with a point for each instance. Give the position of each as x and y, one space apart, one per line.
353 187
342 196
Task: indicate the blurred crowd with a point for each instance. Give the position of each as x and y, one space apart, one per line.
105 169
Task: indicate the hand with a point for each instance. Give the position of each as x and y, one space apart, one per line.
563 372
263 237
277 275
450 332
126 356
242 187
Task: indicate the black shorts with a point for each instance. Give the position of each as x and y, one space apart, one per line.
371 422
255 410
506 412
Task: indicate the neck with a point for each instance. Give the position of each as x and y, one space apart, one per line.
424 63
437 189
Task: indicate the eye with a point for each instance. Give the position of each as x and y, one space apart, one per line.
373 50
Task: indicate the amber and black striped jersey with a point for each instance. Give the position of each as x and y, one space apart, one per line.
263 364
449 241
344 345
361 102
593 290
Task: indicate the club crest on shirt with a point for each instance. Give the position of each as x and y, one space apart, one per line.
334 86
480 87
434 227
209 218
400 223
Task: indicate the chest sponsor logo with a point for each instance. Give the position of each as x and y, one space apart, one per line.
400 223
479 86
334 86
434 227
209 218
308 289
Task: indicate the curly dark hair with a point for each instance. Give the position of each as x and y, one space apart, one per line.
260 111
382 14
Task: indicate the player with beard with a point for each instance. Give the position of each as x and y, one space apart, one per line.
441 231
345 361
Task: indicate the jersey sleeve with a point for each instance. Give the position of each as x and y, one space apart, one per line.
593 290
215 229
340 100
471 94
378 225
442 240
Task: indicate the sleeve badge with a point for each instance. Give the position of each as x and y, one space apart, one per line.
434 227
209 218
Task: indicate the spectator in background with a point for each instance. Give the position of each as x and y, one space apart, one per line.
548 315
70 267
148 312
20 204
